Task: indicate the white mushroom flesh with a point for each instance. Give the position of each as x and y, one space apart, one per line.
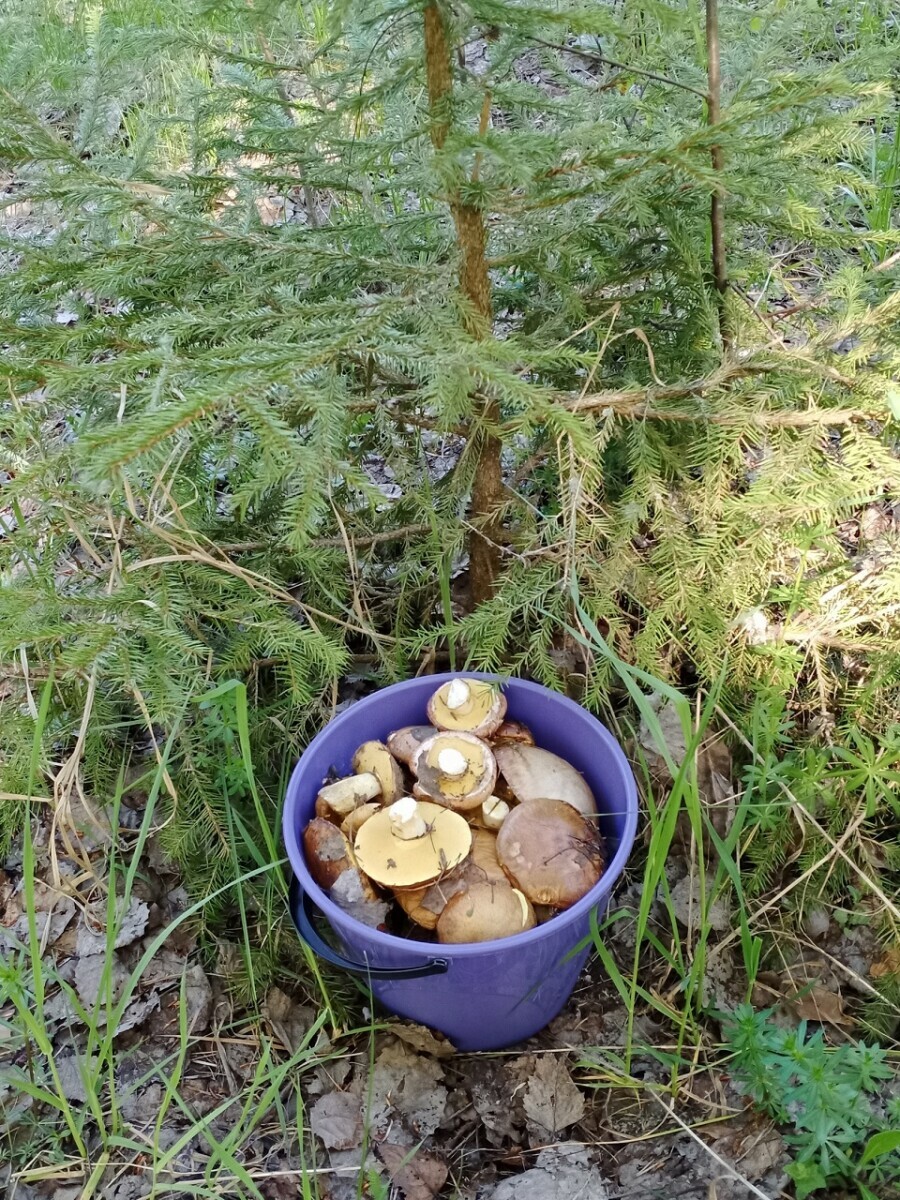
494 812
458 694
345 795
451 762
406 820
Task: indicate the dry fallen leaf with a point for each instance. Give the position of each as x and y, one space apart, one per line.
198 999
289 1020
818 1004
422 1039
130 924
552 1100
95 980
888 964
562 1172
336 1118
72 1071
51 908
137 1012
407 1084
672 732
418 1174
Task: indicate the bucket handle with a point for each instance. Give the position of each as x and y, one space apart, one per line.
303 910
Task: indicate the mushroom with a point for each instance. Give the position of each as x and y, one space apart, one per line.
512 733
535 774
328 853
457 770
403 743
467 706
550 851
483 912
353 893
411 844
494 812
484 855
353 820
425 905
336 800
374 758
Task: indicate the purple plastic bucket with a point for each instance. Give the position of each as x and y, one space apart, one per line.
491 994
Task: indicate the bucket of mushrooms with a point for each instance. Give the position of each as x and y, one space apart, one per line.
457 834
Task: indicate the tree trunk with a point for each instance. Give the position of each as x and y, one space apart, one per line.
475 285
716 213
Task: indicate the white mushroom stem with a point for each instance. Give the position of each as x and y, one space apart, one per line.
452 762
458 694
406 821
494 812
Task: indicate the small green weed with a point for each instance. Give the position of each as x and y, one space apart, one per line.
845 1132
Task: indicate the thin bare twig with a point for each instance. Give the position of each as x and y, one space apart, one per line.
401 533
626 67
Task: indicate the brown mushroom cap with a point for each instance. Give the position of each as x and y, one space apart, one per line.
425 905
374 758
481 713
461 792
550 851
336 800
512 733
328 853
535 774
398 862
483 912
403 743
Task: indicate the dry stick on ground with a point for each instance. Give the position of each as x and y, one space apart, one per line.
716 213
475 285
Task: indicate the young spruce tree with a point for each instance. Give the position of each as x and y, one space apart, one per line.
339 334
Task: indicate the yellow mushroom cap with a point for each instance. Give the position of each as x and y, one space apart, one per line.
398 862
467 706
455 769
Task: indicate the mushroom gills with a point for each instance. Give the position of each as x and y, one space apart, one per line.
374 758
353 821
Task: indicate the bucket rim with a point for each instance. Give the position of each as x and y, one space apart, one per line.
337 917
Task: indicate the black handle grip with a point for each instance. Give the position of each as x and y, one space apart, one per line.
303 910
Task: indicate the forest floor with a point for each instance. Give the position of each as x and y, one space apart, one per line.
132 1063
160 1083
